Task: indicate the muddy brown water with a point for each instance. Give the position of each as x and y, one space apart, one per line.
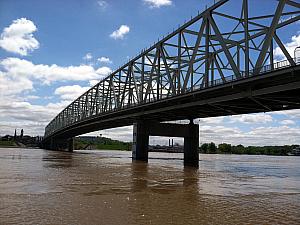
106 187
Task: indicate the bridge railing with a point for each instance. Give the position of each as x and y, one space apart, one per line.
254 72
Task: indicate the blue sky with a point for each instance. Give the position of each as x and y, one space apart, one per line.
70 45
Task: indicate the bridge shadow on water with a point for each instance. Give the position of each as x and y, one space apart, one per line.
58 159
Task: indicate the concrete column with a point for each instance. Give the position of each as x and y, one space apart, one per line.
71 144
140 141
59 144
191 145
52 144
143 129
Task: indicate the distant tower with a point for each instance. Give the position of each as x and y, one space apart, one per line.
22 132
15 136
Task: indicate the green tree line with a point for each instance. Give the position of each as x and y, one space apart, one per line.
101 143
212 148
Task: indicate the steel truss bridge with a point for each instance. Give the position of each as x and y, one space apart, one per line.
218 63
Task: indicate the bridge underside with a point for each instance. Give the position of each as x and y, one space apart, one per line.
275 91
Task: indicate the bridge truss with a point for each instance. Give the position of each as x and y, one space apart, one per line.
213 48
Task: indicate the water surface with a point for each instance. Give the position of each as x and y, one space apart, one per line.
105 187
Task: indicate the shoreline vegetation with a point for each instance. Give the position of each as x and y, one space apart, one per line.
103 143
100 143
8 144
212 148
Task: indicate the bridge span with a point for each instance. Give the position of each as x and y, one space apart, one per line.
219 63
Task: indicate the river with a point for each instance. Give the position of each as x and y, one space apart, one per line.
105 187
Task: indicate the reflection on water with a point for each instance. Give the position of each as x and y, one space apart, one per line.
105 187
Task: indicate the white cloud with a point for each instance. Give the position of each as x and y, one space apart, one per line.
18 78
287 122
158 3
31 97
70 93
93 82
10 86
15 113
120 133
104 60
120 33
102 4
252 118
88 59
272 135
293 114
18 37
16 69
212 120
290 46
103 71
88 56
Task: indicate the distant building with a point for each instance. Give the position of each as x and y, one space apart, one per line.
295 151
7 138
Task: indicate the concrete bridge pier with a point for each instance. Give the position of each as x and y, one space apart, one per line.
143 129
60 144
140 141
191 145
71 144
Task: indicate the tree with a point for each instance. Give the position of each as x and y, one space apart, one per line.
212 148
224 148
239 149
204 148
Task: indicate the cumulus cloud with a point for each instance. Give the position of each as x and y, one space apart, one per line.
10 86
252 118
70 93
290 47
18 78
18 37
103 71
15 69
15 113
104 60
158 3
120 33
